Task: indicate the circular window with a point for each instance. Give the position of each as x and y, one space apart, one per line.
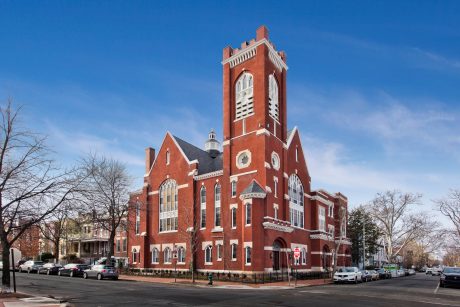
275 161
243 159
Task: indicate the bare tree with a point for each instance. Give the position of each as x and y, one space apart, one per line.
399 225
31 186
190 234
341 222
450 207
106 194
57 227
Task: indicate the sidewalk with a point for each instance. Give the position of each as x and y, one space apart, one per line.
227 284
24 300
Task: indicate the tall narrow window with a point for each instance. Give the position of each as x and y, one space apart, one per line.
248 255
167 255
303 255
248 214
234 251
233 217
234 188
322 218
203 206
168 206
219 252
181 254
276 213
168 158
118 246
208 254
135 255
273 102
217 205
244 94
138 218
275 187
296 201
155 255
125 245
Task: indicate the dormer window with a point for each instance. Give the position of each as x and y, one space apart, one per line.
273 100
244 93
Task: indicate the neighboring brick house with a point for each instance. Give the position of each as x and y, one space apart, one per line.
252 201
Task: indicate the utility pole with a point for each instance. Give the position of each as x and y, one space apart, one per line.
364 245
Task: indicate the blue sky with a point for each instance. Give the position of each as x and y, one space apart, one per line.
373 86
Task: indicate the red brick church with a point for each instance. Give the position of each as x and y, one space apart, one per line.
244 205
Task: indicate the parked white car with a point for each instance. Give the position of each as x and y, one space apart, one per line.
436 271
348 274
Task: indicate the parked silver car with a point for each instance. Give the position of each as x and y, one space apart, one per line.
31 266
101 271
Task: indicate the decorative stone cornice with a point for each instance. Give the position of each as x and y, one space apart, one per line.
344 241
209 175
252 195
277 227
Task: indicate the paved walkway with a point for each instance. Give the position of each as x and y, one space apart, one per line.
227 284
25 300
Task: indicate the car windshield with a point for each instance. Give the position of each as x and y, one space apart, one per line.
452 270
348 269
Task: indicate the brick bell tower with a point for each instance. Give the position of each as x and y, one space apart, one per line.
254 115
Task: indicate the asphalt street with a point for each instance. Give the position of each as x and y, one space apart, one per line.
419 290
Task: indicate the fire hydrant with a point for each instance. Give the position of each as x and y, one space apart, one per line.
210 279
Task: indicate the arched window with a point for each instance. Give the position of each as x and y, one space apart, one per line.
181 254
217 205
233 217
155 255
208 254
234 251
296 205
138 218
248 214
167 255
168 205
248 255
244 94
203 206
303 255
273 101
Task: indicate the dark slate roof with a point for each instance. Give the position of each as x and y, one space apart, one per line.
253 187
206 164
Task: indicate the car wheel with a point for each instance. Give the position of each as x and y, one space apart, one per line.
71 274
99 276
28 271
85 276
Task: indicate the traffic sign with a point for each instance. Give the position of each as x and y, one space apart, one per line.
296 253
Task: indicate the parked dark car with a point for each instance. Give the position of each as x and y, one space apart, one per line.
73 269
49 269
101 271
384 274
450 276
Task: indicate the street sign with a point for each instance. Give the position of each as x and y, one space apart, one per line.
296 253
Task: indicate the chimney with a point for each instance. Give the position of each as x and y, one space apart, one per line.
149 158
261 33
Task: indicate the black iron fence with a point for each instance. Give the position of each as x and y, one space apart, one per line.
254 278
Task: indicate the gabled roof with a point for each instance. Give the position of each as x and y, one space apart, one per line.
206 164
254 190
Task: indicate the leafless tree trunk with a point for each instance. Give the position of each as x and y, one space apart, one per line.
399 225
190 234
450 207
341 219
31 186
107 194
